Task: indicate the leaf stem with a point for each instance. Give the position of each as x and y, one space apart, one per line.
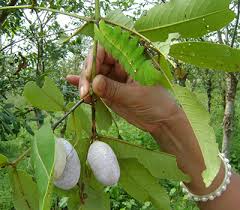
94 70
68 113
117 128
47 9
15 162
163 72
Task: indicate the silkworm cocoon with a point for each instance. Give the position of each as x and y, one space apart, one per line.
60 158
103 163
71 172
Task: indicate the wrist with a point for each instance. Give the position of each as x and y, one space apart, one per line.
175 136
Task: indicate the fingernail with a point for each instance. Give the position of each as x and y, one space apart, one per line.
82 91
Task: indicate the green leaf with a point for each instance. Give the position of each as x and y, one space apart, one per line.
190 18
200 119
78 121
207 55
43 151
48 97
103 116
86 29
96 200
164 47
129 53
73 201
3 160
96 197
140 184
160 165
116 16
24 190
62 39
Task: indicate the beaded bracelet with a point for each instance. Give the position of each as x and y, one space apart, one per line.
219 191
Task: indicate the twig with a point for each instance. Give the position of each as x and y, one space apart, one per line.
236 25
14 163
116 125
47 9
5 14
93 73
68 113
44 36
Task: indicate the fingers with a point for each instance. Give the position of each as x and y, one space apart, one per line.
110 90
109 59
81 82
89 61
84 86
105 69
73 79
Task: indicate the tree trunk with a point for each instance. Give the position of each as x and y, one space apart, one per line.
209 87
231 89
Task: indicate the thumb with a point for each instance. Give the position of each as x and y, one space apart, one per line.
109 89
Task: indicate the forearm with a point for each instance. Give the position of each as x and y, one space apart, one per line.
230 199
175 136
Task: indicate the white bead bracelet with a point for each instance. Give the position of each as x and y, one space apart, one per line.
219 191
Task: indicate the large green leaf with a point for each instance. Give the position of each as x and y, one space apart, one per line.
190 18
103 116
200 119
3 160
140 184
117 17
43 150
207 55
94 196
24 190
96 199
159 164
78 121
48 97
129 53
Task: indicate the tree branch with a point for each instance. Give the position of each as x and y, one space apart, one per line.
7 8
68 113
4 14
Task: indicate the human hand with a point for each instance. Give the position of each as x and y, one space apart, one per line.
142 106
150 108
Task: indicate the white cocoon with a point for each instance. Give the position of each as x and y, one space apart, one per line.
71 173
103 163
60 158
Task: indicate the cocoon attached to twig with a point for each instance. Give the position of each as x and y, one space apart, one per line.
60 158
103 163
71 173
